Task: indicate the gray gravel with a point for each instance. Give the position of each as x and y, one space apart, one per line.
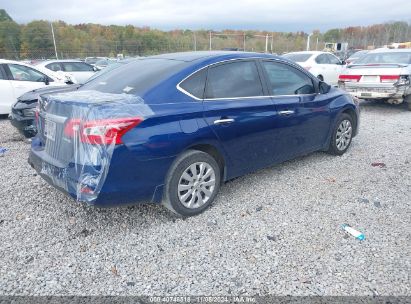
276 231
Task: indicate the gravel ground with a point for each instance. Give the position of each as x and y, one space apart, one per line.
276 231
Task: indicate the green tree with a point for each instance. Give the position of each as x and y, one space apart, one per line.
38 39
333 35
9 39
4 16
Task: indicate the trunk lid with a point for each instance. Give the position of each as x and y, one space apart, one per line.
373 73
57 111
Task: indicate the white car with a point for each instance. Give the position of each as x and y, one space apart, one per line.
324 65
17 78
79 70
382 74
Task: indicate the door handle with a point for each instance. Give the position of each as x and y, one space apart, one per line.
223 121
286 112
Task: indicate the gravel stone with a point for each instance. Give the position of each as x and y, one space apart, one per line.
364 200
44 250
377 204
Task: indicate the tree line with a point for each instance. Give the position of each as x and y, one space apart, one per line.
34 40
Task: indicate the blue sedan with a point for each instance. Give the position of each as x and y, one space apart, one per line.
173 128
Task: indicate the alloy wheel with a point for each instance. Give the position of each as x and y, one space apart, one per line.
196 185
344 133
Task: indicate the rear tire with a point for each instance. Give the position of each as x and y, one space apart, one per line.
192 183
341 136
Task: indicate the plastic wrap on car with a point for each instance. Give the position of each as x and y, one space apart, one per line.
74 164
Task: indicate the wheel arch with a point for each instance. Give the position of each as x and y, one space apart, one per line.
353 115
214 152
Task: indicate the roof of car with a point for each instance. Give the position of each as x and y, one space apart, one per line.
193 56
309 52
12 61
387 50
57 60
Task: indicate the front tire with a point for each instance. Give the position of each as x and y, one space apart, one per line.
192 183
342 135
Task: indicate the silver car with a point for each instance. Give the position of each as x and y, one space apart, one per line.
382 74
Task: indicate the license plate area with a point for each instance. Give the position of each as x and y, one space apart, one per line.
50 129
370 79
366 94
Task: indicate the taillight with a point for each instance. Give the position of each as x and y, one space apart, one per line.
102 131
389 78
349 78
37 114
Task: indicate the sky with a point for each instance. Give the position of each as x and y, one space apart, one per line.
286 15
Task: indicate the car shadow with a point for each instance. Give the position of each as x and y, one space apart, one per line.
370 105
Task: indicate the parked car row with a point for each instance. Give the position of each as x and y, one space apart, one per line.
382 74
197 119
16 78
23 111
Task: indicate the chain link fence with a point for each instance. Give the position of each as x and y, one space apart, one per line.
131 48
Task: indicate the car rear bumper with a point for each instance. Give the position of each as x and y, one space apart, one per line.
127 180
24 124
373 91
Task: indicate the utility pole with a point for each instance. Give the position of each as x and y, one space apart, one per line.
210 40
244 43
54 40
266 43
272 42
308 41
195 42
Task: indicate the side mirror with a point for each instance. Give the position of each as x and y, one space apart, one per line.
95 69
343 62
323 87
46 80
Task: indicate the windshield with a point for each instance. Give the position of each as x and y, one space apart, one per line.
386 57
297 57
141 75
102 62
92 60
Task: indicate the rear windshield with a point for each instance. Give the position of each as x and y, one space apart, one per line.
135 77
358 54
386 57
297 57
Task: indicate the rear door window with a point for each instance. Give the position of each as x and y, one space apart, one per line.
322 59
24 73
233 80
55 66
287 80
3 75
195 84
77 67
332 59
